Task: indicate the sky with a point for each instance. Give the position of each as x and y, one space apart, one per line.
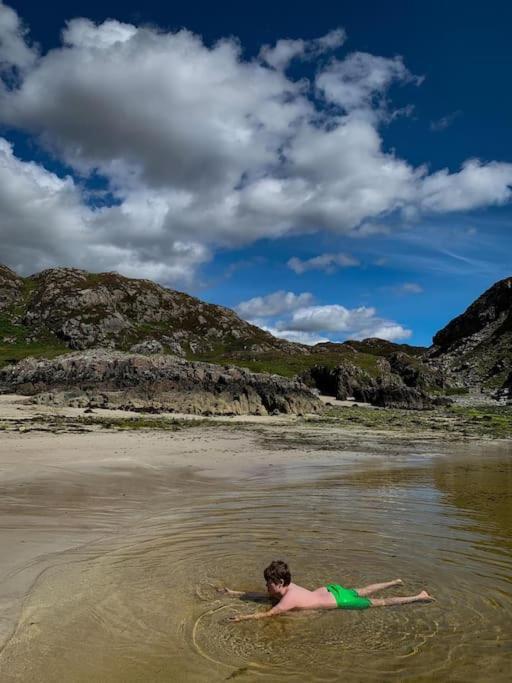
329 170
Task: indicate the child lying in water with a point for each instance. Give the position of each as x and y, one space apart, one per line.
290 596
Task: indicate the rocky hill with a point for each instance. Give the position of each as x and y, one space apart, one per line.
70 308
63 309
475 348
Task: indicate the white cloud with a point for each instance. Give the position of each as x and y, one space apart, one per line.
410 288
83 33
285 50
444 122
294 317
360 80
384 330
330 318
273 304
282 53
332 322
14 51
202 148
475 185
44 222
369 229
331 41
355 323
309 338
326 262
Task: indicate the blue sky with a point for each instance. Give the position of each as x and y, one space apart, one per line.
332 171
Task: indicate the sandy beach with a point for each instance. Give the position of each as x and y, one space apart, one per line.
88 517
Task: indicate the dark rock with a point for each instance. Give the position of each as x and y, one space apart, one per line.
399 396
475 349
342 381
414 372
348 381
489 311
112 379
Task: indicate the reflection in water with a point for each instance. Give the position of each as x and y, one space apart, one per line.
145 607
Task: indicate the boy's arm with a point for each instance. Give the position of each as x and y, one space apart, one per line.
243 594
228 591
280 608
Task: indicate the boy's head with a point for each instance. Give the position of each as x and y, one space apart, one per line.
277 576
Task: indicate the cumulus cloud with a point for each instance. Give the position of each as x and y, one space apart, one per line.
355 323
273 304
45 222
309 338
475 185
201 148
330 318
14 50
294 317
326 262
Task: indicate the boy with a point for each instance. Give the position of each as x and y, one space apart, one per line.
290 596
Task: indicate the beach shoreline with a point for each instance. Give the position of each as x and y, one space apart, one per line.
66 485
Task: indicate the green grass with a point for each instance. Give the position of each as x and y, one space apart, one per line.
9 329
495 421
457 421
452 391
28 286
289 365
138 423
12 353
61 423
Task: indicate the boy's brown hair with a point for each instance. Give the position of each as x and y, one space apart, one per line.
278 572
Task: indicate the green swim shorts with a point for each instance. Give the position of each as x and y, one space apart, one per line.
347 598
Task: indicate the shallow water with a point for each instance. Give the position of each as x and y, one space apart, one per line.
144 606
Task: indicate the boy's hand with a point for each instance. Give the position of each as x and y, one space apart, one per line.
228 591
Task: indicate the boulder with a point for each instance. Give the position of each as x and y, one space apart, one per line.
148 347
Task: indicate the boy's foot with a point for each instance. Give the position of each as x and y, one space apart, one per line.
398 582
425 596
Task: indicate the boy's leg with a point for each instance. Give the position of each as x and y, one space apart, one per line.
374 587
385 602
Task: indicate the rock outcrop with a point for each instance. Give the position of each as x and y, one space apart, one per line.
386 390
102 378
414 372
11 286
343 381
475 348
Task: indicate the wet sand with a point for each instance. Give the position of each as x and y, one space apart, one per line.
112 544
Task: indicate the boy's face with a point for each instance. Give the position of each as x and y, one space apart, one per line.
274 589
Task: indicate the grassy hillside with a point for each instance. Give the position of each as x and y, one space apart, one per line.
287 365
16 341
